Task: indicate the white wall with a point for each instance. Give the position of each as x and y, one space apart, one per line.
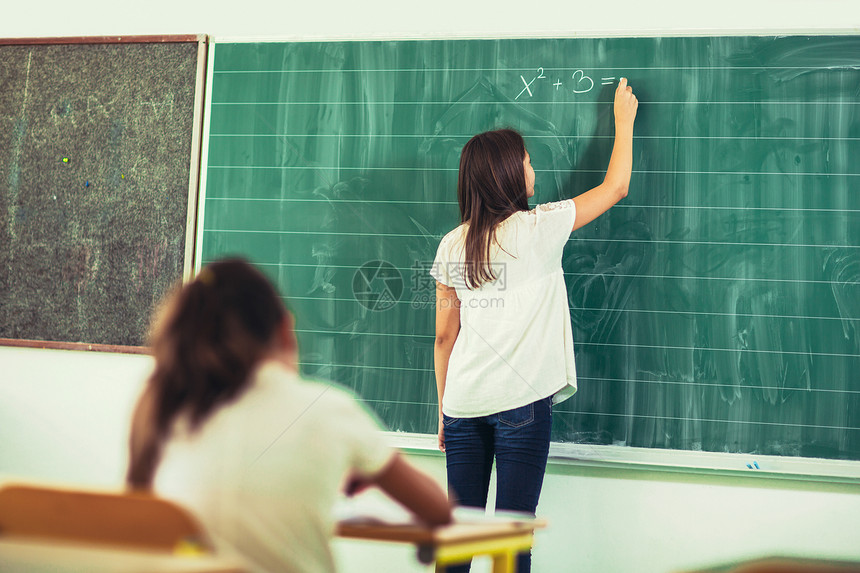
436 18
64 415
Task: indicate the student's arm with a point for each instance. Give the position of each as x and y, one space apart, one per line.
597 201
415 490
447 329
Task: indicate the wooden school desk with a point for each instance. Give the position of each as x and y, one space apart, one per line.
499 538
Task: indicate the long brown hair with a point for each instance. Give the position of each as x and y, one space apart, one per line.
491 187
206 342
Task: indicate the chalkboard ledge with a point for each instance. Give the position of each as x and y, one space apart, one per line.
80 346
652 459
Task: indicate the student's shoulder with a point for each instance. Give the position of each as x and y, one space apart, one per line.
452 240
554 206
561 212
453 235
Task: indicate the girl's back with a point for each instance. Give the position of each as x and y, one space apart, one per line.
264 472
515 343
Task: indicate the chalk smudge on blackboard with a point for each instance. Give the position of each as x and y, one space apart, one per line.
787 58
76 266
485 106
772 359
62 109
842 268
20 133
162 108
323 271
329 217
149 262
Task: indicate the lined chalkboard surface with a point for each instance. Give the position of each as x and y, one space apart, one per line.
716 308
97 165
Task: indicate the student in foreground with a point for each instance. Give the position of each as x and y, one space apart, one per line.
229 429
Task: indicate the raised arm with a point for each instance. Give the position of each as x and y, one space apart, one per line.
447 329
597 201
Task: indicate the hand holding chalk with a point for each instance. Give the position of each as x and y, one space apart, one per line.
626 105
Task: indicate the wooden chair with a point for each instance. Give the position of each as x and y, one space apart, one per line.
786 565
130 520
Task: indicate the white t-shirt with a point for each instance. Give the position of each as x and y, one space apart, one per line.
263 473
515 344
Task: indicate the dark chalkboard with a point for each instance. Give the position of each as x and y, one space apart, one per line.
717 308
98 180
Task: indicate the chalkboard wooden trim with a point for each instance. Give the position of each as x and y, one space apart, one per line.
165 39
194 182
678 461
574 35
81 346
204 161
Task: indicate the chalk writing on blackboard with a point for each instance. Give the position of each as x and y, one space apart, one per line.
582 85
578 83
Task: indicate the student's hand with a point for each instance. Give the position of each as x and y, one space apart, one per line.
626 105
441 437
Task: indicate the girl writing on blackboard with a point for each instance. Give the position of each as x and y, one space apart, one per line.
229 429
504 346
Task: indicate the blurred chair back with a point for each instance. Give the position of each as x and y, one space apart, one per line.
132 520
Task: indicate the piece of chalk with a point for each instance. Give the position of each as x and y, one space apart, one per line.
749 466
65 159
756 465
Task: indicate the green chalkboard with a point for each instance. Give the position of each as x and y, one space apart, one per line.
717 308
98 160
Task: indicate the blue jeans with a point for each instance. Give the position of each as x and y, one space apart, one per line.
519 441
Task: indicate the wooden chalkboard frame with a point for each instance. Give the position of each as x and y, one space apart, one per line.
80 346
194 167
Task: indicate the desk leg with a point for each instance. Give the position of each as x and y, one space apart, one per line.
503 551
426 554
502 563
505 562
